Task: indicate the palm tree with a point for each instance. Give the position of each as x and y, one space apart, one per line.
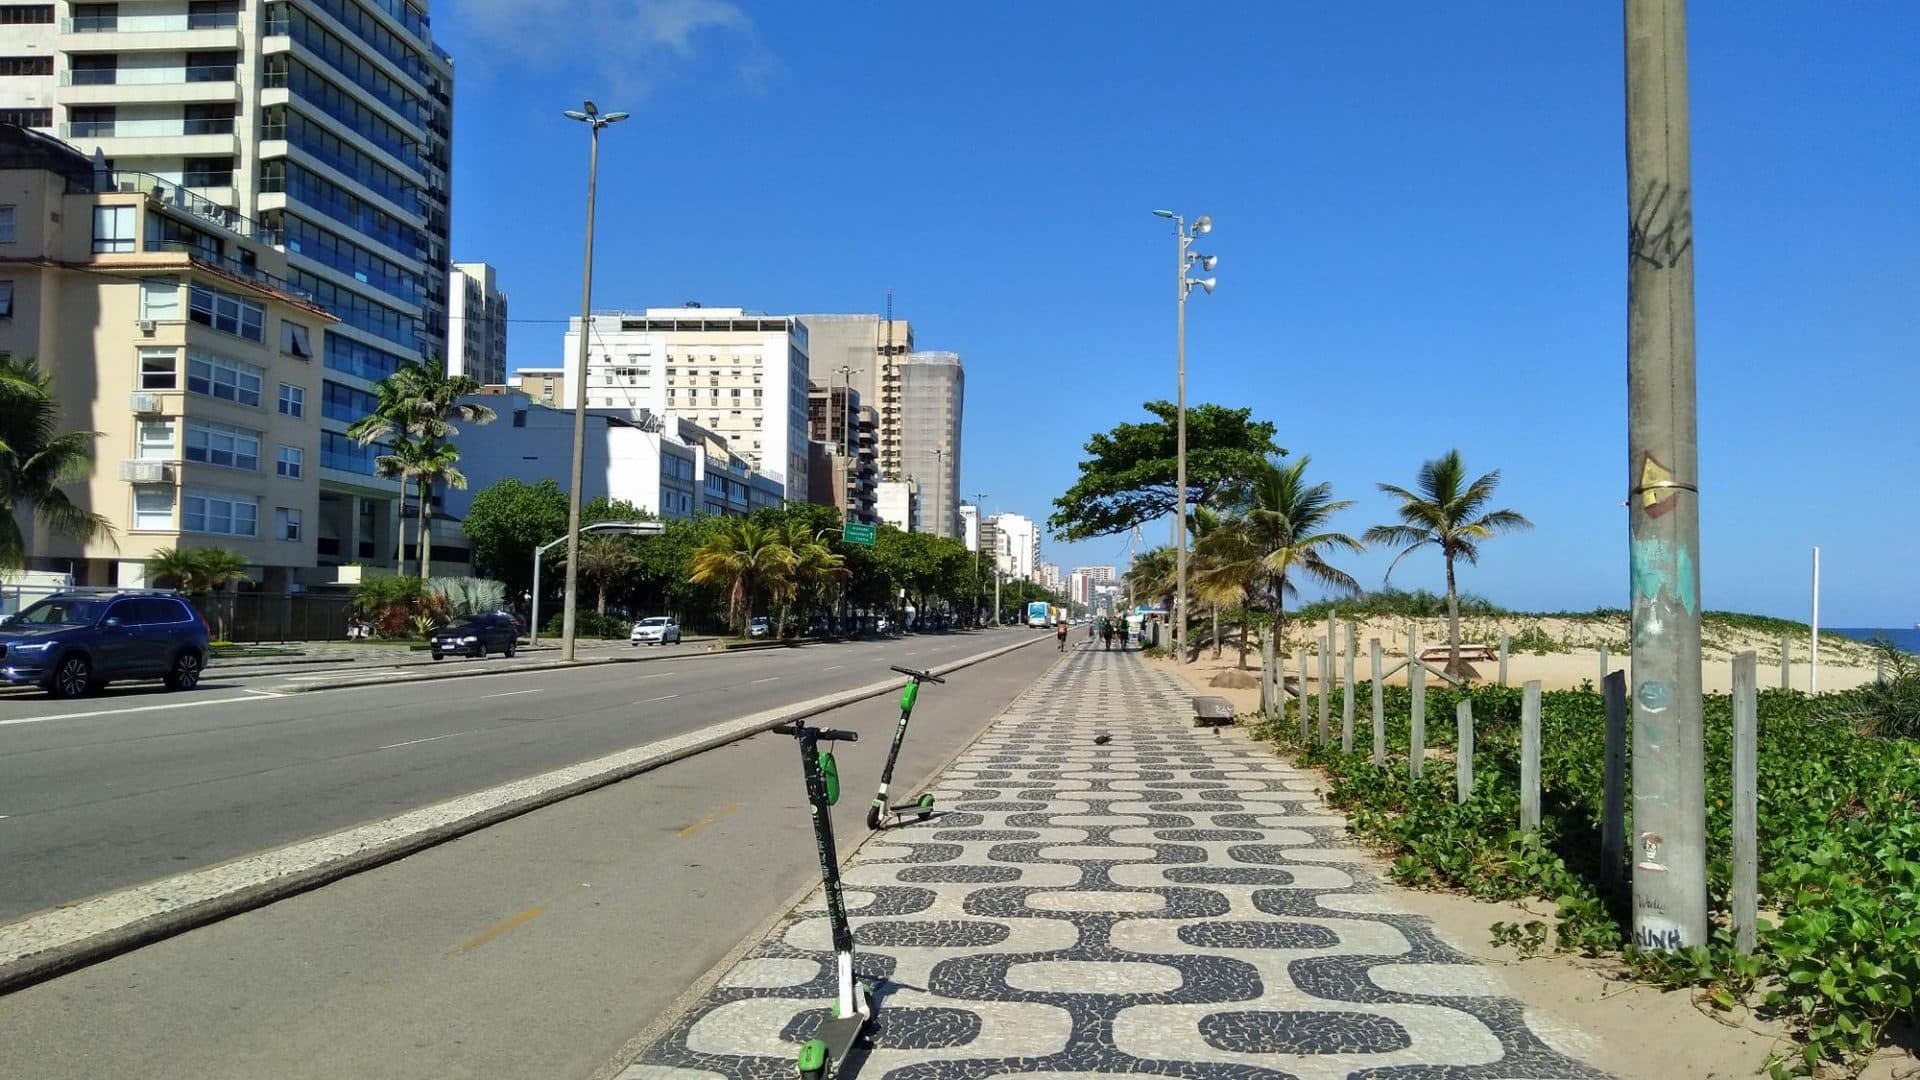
1227 569
1449 513
1151 575
196 571
36 459
1286 521
424 462
813 571
419 402
603 558
741 555
1203 522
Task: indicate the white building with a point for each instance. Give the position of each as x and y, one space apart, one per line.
476 324
665 466
897 503
1049 577
739 375
1019 540
970 526
1081 582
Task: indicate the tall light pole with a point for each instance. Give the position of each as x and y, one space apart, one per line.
1663 509
846 401
979 546
1185 259
939 492
591 116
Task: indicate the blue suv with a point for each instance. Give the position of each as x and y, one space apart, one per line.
74 642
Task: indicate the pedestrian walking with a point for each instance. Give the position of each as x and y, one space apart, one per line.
1060 635
1106 634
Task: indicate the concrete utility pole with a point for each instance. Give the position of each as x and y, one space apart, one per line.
1186 260
1669 796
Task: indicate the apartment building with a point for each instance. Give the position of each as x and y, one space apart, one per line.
970 526
842 471
476 324
865 352
169 327
327 122
1018 543
931 395
740 375
664 465
897 503
547 385
1082 580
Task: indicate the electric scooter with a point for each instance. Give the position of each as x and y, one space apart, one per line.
880 814
853 1001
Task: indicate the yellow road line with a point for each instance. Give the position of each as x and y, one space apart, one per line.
498 928
708 820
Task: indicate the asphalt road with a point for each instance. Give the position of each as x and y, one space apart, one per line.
534 948
107 792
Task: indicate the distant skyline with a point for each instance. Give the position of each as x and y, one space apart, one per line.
1420 217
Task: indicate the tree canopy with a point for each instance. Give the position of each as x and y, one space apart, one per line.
504 523
1129 476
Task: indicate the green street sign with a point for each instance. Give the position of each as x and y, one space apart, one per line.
855 533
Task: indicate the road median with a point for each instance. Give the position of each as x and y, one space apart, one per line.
74 935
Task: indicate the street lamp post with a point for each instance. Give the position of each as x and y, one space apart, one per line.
628 528
846 401
939 492
591 116
979 547
1185 260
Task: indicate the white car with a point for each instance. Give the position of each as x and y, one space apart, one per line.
658 630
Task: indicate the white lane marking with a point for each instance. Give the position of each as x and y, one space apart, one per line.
417 742
512 693
264 693
835 667
656 675
770 678
122 712
651 700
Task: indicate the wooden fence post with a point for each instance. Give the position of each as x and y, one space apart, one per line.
1266 675
1306 718
1463 757
1417 726
1746 840
1786 666
1613 800
1505 643
1379 708
1346 697
1604 666
1326 683
1530 758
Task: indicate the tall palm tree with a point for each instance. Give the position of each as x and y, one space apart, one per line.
423 462
419 402
1151 575
741 555
1449 512
813 573
603 558
1203 522
1286 521
36 459
1227 569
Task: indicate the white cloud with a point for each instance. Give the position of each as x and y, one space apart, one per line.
629 45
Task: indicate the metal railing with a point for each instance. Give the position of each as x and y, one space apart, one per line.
145 129
203 73
151 24
231 265
173 194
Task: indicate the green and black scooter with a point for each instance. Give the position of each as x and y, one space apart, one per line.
853 1001
880 814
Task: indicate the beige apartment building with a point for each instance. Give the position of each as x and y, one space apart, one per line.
169 328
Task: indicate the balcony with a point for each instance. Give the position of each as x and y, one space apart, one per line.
168 194
150 138
215 261
149 86
150 33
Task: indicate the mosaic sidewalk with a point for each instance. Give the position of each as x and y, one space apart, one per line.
1171 903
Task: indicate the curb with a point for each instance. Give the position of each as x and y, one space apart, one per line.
85 932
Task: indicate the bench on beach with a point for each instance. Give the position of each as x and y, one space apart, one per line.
1213 712
1483 653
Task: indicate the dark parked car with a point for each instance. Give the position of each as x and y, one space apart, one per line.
74 642
476 636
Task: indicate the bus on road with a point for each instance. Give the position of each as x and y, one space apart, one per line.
1039 614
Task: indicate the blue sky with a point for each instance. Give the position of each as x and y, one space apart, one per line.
1420 218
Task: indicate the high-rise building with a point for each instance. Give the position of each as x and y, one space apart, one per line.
871 349
970 526
177 338
476 324
740 375
1082 580
932 398
841 468
1019 540
328 122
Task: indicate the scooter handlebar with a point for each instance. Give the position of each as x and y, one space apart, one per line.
923 676
820 734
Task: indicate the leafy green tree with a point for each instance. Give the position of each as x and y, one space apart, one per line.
741 556
1286 521
1129 476
1449 512
413 417
506 522
812 574
36 459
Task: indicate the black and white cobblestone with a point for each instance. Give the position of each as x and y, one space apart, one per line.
1172 903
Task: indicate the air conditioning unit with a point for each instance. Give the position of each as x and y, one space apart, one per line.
146 472
147 327
144 404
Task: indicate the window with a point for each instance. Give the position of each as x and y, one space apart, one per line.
221 515
227 313
22 14
218 377
27 118
26 65
286 523
6 299
94 69
291 463
218 444
156 440
96 17
159 369
113 229
294 340
159 299
293 401
736 393
152 507
519 418
208 171
6 224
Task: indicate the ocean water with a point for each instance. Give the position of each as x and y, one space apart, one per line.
1905 638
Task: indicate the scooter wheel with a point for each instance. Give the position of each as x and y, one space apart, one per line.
812 1061
926 806
873 817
